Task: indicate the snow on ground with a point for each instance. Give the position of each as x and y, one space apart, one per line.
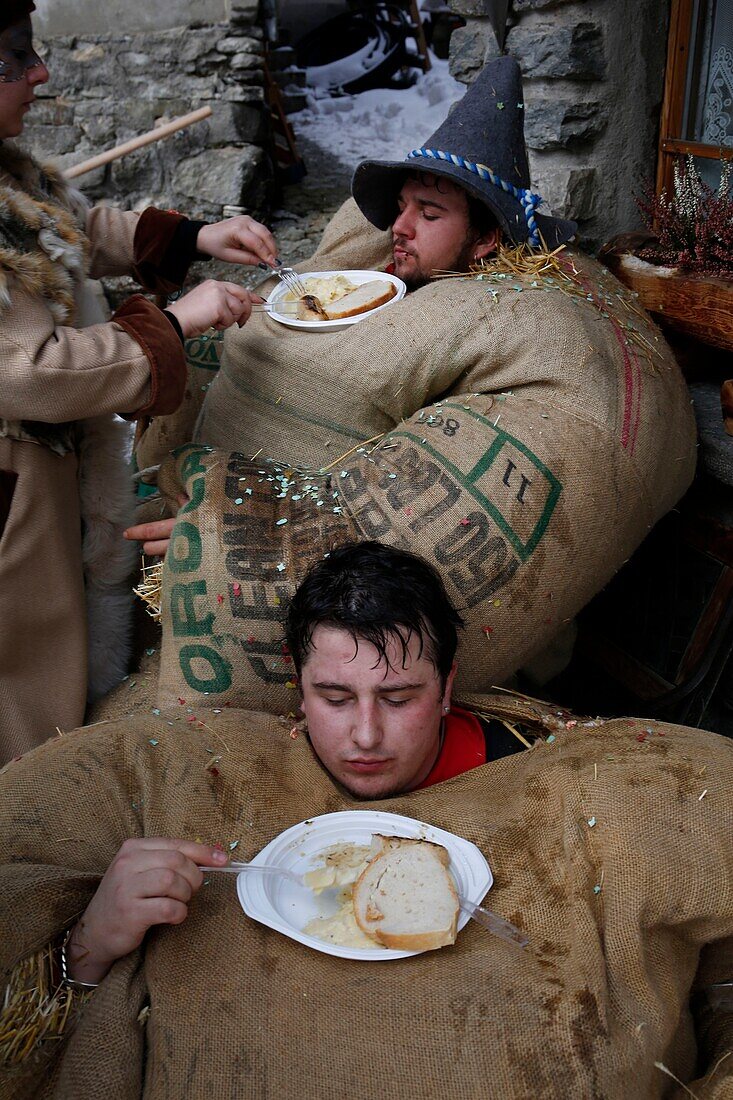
383 124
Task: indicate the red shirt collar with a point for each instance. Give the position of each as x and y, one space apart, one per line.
464 748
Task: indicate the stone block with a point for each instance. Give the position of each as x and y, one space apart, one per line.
91 52
193 47
237 122
245 78
549 124
218 176
137 116
134 62
471 47
53 141
100 131
91 183
244 12
239 44
549 180
581 193
483 8
568 192
55 111
242 61
243 93
532 5
210 64
139 171
74 71
553 50
169 86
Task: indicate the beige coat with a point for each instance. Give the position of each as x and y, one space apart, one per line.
609 845
53 374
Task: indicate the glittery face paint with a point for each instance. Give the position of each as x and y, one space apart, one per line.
17 55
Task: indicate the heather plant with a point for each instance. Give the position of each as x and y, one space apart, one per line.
693 225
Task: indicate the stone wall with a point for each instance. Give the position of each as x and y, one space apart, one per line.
593 75
108 88
54 17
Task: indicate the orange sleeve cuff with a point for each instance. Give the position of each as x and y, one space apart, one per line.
159 340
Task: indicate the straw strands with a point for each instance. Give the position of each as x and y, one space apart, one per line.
151 587
522 268
35 1007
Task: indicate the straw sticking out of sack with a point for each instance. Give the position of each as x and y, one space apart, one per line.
35 1008
541 269
150 588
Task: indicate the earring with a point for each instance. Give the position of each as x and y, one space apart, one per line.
446 710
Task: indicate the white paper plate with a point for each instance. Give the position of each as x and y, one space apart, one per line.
288 908
277 295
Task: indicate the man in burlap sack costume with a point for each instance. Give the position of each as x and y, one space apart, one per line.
525 425
609 844
64 373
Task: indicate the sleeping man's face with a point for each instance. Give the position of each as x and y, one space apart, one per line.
433 232
374 724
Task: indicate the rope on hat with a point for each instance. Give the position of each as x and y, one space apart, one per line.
528 200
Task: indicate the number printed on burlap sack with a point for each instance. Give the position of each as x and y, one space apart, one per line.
475 500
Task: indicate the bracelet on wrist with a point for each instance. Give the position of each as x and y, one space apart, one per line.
69 982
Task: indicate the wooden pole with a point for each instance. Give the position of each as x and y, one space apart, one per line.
422 46
137 143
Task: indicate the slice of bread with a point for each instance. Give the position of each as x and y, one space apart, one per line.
365 297
405 898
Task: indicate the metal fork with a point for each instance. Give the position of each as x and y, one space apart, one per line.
292 280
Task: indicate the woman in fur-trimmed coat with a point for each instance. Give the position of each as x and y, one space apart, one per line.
64 373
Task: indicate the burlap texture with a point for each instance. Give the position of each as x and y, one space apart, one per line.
600 995
165 433
238 550
531 438
586 361
525 511
137 692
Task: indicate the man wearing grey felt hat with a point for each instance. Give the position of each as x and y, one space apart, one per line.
475 161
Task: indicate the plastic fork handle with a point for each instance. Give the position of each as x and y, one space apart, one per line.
224 870
261 868
493 922
264 868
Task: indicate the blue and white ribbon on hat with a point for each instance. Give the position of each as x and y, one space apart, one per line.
528 200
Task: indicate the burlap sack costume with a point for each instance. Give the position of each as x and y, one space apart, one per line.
531 431
610 846
164 434
526 425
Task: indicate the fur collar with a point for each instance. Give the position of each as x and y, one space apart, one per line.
42 247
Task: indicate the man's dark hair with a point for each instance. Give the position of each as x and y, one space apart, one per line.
377 593
480 218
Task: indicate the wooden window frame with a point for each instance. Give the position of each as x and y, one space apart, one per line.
673 105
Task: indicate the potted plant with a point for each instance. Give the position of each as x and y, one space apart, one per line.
683 269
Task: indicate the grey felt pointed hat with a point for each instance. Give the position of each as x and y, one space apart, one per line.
481 147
